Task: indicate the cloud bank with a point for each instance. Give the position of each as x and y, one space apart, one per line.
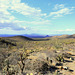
7 20
61 10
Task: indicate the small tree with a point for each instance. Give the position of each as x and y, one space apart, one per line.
6 67
7 63
22 63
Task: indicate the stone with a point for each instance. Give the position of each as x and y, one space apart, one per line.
65 67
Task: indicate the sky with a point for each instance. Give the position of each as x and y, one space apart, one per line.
37 17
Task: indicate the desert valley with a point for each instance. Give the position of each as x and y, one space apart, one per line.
20 55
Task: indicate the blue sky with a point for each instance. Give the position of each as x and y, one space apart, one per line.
37 16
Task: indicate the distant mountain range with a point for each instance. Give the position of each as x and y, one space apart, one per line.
6 35
40 36
33 37
27 35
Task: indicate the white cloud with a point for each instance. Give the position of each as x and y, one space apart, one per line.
61 11
12 25
66 30
22 8
43 22
7 20
39 22
58 6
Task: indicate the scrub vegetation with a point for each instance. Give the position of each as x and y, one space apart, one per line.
43 56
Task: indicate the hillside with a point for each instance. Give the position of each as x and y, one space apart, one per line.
18 38
71 36
22 55
63 36
4 43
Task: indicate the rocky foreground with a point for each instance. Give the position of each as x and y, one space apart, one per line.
51 63
53 56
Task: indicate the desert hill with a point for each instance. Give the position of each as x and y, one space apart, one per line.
4 43
71 36
63 36
18 38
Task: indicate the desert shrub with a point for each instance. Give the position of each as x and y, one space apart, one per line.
60 58
21 63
